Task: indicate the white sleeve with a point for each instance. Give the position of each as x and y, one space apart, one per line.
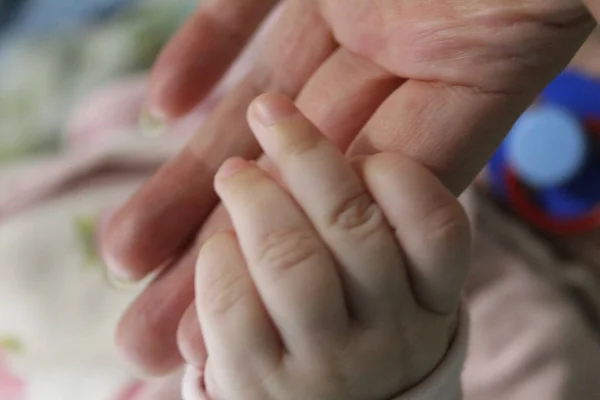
444 383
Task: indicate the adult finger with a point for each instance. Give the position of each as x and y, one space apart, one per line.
343 94
445 128
451 121
150 332
199 54
153 319
165 214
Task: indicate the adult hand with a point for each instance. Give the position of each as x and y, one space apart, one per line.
440 81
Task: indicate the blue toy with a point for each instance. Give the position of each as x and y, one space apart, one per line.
548 168
576 92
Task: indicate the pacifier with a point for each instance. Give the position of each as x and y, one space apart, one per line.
547 170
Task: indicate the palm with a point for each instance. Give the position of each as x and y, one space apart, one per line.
467 43
439 80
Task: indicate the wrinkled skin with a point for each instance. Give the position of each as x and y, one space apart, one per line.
439 80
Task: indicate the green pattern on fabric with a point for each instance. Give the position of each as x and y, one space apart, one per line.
11 344
86 226
86 233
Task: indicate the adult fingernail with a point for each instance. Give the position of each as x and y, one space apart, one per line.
151 124
271 108
117 273
117 282
114 269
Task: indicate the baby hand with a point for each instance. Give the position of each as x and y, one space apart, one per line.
343 282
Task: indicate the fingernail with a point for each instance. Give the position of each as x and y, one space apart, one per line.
116 270
113 268
270 109
151 124
230 167
119 283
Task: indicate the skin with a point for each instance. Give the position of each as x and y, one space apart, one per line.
330 284
439 81
587 59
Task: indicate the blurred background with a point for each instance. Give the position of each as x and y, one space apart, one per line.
54 52
71 71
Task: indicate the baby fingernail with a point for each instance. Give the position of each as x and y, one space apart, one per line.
271 108
230 167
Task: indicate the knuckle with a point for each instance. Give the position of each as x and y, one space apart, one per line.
448 224
299 145
359 215
221 293
220 287
284 250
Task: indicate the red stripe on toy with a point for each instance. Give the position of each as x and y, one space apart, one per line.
523 206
